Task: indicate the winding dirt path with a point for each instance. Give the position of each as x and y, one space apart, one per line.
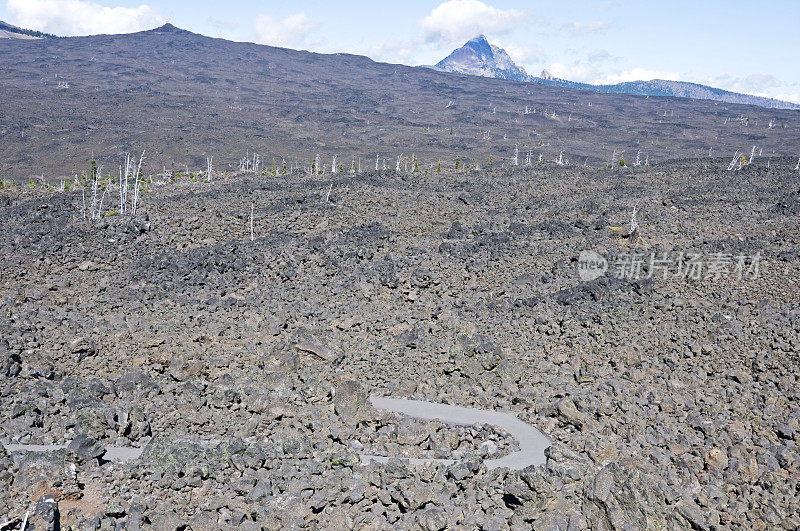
532 442
113 453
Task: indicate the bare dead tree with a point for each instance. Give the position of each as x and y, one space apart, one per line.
633 228
93 202
736 158
137 184
103 195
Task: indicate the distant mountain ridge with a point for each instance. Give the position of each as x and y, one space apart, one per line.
71 99
9 31
479 58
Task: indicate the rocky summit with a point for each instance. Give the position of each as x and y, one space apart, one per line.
479 58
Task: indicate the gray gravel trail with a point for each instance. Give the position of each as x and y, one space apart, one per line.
532 442
113 453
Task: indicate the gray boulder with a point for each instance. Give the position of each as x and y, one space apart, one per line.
86 448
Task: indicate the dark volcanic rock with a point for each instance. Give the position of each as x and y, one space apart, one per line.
82 347
350 399
85 447
47 512
245 367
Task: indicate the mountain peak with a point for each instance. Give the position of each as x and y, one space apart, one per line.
479 58
546 75
169 28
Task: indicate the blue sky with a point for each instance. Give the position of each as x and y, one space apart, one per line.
737 45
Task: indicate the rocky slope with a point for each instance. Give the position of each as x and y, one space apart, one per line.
7 31
244 367
192 97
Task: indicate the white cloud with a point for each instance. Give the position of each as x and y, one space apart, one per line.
783 96
395 51
589 73
291 31
457 20
523 55
765 85
753 83
638 74
81 17
583 28
581 72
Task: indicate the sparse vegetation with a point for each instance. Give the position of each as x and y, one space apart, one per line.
245 366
